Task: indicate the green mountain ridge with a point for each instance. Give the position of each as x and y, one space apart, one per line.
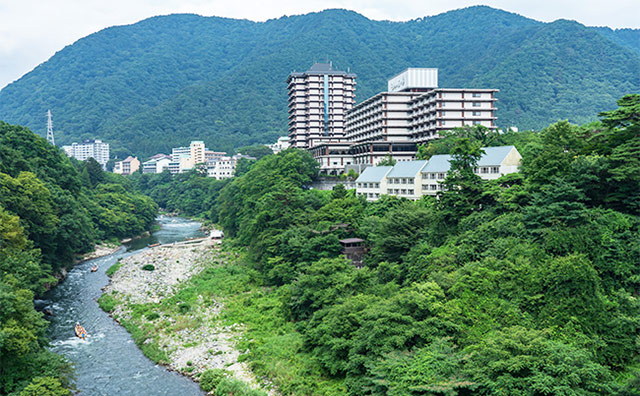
166 80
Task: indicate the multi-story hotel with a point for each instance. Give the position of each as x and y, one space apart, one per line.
89 149
318 102
414 110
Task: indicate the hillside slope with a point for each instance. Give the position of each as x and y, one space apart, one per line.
166 80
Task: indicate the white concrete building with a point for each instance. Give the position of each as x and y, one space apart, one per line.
95 149
318 102
413 179
372 182
405 179
445 108
156 165
414 110
283 143
213 155
222 168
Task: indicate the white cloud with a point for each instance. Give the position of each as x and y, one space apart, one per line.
33 30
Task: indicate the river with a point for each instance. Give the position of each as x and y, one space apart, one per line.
108 362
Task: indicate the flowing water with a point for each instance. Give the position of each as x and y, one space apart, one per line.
108 362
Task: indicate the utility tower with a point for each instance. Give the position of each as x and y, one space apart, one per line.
50 137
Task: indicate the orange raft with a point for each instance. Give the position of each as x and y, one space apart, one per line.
80 331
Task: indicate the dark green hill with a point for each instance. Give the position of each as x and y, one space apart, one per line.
166 80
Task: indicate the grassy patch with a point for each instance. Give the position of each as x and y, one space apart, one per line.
143 336
107 302
112 270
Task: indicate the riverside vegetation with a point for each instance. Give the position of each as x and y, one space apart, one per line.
526 285
52 209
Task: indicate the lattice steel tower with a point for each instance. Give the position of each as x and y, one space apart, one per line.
50 137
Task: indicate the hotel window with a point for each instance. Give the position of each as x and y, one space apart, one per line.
484 170
389 191
475 104
425 187
370 195
475 95
433 176
434 187
475 170
396 191
476 113
404 191
410 192
495 169
476 122
441 175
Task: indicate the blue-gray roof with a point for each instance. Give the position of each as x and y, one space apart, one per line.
438 164
494 155
406 168
373 174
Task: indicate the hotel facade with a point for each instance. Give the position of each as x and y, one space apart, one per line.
413 110
318 103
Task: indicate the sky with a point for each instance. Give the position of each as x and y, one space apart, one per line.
31 31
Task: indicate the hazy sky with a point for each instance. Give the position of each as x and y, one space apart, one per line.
31 31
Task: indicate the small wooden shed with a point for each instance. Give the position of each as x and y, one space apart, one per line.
354 249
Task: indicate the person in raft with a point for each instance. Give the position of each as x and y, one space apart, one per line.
80 331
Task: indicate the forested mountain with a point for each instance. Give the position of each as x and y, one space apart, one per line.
166 80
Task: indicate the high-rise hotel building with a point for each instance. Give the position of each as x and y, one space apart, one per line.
318 103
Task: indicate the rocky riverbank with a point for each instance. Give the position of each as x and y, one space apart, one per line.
190 339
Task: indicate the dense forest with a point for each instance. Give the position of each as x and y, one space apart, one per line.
525 285
167 80
52 208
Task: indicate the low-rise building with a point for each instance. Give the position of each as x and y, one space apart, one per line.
126 166
414 179
372 182
157 164
405 179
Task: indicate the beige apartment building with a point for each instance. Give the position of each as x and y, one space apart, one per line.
126 166
318 102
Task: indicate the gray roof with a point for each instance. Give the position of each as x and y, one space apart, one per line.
406 168
438 164
373 174
494 155
319 68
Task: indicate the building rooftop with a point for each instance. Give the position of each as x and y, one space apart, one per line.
407 168
494 155
438 163
373 174
320 68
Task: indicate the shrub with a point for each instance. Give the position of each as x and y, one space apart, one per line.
210 379
230 386
184 307
152 316
107 302
148 267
